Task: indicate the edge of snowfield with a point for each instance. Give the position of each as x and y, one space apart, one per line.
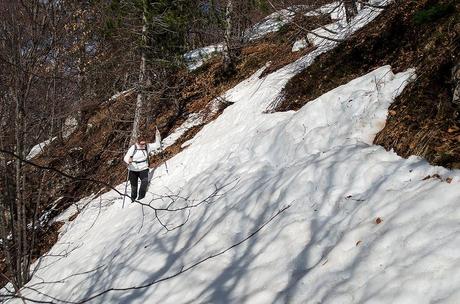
325 248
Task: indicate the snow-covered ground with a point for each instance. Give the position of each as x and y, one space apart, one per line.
38 148
270 24
196 58
340 29
362 225
273 22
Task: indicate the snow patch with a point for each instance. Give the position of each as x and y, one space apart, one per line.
340 29
273 22
196 58
37 149
299 45
122 94
70 125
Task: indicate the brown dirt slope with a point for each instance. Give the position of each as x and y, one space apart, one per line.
423 34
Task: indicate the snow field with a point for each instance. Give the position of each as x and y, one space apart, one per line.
326 248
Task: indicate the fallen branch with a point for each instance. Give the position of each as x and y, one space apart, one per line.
181 271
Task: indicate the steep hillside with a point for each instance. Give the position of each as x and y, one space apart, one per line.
276 191
92 154
421 34
94 151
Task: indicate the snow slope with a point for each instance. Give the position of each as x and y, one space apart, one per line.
362 224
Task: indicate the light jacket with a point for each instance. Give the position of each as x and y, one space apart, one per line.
140 156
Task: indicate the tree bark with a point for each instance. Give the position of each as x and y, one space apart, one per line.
228 58
140 94
351 9
456 83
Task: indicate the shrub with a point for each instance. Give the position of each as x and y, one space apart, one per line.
433 13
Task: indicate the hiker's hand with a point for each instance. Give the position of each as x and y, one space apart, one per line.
130 160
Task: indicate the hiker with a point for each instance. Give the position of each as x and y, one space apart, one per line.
137 159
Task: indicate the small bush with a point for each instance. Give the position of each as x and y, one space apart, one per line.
433 13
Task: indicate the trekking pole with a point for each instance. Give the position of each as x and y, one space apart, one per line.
126 189
166 164
158 140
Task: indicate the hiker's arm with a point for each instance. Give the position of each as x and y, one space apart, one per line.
127 157
154 148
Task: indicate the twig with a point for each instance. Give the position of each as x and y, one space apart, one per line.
181 271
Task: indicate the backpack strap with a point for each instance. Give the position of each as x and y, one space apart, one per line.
147 156
134 152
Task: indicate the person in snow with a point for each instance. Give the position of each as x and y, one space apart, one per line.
137 159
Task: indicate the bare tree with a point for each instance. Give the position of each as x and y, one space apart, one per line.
228 60
32 40
22 50
141 84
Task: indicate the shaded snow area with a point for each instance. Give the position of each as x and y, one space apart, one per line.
37 149
274 22
358 224
196 58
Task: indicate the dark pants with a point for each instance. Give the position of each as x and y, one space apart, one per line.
133 177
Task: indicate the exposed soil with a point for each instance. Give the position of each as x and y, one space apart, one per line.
422 120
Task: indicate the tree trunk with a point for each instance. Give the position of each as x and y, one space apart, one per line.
456 83
456 93
351 9
140 94
18 229
228 58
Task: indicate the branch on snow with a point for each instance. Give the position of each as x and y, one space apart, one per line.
154 282
173 198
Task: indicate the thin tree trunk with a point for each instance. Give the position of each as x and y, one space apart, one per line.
456 83
18 201
4 229
140 94
228 60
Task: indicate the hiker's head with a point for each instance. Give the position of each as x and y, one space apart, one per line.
141 141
